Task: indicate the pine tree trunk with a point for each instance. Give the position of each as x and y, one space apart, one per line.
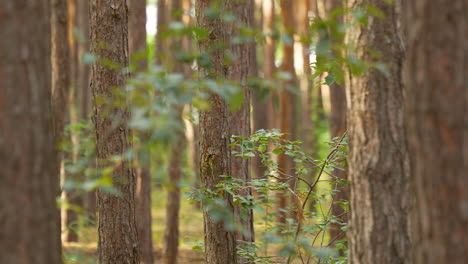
260 102
162 23
61 71
245 66
437 126
220 243
337 120
137 45
118 242
29 182
81 75
269 67
171 235
378 159
287 108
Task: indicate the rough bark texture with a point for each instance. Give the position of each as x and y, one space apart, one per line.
137 45
287 107
243 67
378 159
118 241
437 126
220 243
29 182
337 121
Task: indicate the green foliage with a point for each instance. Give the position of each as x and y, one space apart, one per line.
304 235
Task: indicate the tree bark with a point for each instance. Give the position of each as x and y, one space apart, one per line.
171 235
29 182
61 101
81 74
136 45
378 159
337 120
163 21
240 70
215 133
260 103
437 125
287 108
118 242
269 67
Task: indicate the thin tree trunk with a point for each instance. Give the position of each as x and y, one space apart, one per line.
378 159
171 235
287 108
60 98
118 242
436 111
163 21
337 121
83 87
269 67
136 45
220 243
260 102
29 177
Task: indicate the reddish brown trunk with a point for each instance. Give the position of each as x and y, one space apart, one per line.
337 120
83 87
171 236
215 133
29 182
239 121
118 241
61 102
436 103
137 46
378 159
269 68
286 101
260 103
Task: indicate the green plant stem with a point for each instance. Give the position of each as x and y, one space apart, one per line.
311 188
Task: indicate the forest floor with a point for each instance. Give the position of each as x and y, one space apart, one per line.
191 231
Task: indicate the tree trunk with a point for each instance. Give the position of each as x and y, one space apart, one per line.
269 67
260 103
220 243
245 66
136 45
378 159
29 182
163 21
61 101
118 241
81 75
171 235
436 111
287 107
337 121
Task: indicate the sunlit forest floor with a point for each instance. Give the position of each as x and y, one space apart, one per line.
191 230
